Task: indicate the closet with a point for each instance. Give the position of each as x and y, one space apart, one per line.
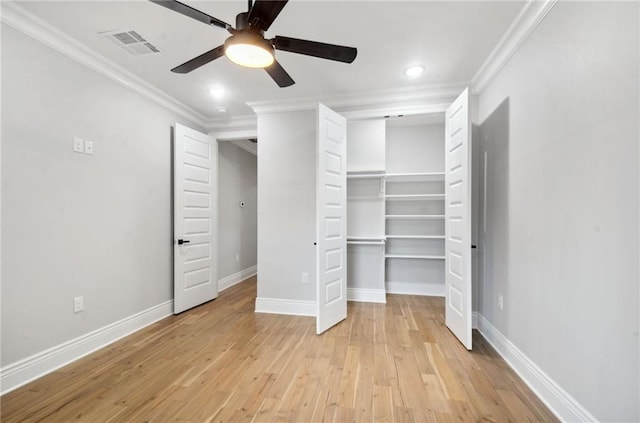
395 207
386 211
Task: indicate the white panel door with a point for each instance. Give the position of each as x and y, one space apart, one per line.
195 218
458 219
331 218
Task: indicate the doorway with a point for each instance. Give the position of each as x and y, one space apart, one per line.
237 210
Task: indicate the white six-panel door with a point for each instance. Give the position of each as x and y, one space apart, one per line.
331 219
458 219
195 218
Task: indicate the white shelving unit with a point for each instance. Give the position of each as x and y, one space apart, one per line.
414 211
415 197
415 176
366 241
415 236
415 256
395 210
415 216
366 211
365 174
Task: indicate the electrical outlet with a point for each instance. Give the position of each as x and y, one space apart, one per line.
88 147
78 304
305 278
78 145
500 302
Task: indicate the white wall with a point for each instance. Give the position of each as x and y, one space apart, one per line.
416 148
366 145
97 226
237 181
559 126
286 205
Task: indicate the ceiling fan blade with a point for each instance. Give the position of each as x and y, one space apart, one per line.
189 11
278 74
316 49
264 12
201 60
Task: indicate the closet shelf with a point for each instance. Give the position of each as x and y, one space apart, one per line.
413 197
366 240
415 177
415 236
365 197
366 174
414 256
414 216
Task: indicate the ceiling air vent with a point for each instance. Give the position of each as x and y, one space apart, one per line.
131 41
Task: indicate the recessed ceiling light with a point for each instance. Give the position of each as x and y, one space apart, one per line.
217 92
221 109
414 71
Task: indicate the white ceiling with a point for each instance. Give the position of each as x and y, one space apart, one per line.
450 38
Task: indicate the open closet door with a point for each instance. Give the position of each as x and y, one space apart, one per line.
331 218
195 218
458 219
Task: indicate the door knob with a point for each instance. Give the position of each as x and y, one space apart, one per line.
183 241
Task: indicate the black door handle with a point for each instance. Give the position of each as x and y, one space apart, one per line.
473 246
183 241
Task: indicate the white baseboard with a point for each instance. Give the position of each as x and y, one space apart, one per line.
413 288
235 278
26 370
563 405
283 306
367 295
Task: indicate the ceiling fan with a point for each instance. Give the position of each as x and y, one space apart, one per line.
247 46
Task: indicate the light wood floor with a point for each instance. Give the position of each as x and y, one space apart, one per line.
223 362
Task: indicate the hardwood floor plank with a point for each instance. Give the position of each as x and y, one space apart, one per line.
403 415
517 409
222 362
267 410
437 399
363 403
382 404
344 415
448 381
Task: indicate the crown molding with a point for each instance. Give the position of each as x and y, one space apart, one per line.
404 101
34 27
408 100
522 26
246 145
232 124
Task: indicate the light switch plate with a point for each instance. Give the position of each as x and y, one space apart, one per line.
78 145
78 304
88 147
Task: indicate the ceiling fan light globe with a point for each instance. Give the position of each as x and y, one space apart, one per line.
250 52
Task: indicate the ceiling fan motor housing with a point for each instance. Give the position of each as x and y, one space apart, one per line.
247 34
242 21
